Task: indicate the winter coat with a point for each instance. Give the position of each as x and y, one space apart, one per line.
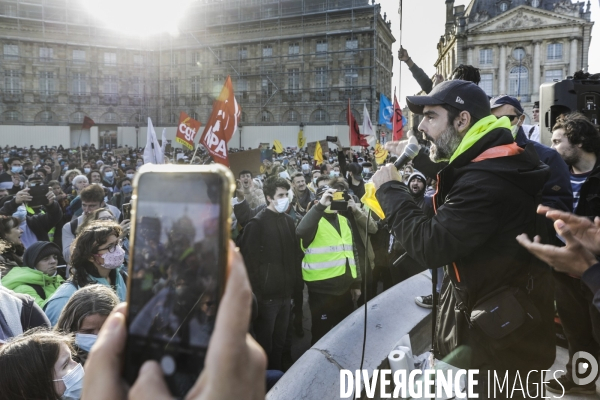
18 314
589 196
20 279
484 200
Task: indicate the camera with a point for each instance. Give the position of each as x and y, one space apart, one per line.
339 202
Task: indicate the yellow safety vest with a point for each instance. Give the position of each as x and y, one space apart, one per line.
326 256
51 231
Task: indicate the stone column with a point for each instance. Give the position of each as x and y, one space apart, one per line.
470 55
502 70
536 70
573 56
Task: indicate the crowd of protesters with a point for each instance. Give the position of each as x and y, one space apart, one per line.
304 231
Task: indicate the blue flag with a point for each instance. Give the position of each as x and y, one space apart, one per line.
386 110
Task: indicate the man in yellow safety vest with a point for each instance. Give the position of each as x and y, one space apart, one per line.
329 266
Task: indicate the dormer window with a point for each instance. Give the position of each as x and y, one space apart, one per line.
535 3
503 6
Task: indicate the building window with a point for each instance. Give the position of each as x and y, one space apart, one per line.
487 83
173 87
78 84
518 82
519 53
196 59
45 116
218 56
111 85
136 87
110 59
485 57
267 50
293 80
218 78
321 46
77 117
46 54
46 83
196 88
351 44
138 60
321 79
319 116
267 86
11 52
173 119
555 51
292 116
78 56
12 81
11 116
503 6
553 75
265 116
174 60
242 85
294 50
243 53
535 3
351 77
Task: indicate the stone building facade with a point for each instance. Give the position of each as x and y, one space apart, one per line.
517 44
291 63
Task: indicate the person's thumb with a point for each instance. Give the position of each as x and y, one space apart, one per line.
563 230
150 383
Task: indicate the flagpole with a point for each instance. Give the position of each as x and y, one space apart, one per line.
195 151
400 43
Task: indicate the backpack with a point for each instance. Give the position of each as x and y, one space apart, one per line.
38 289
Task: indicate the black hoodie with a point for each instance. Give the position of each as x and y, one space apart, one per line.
480 209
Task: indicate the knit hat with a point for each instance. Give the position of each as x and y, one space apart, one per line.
38 251
417 175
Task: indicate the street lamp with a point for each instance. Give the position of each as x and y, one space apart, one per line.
137 137
240 126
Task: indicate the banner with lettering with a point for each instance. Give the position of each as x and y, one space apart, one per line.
187 130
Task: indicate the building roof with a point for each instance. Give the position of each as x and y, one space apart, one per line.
479 10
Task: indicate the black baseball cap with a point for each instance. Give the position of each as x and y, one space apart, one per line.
463 95
499 101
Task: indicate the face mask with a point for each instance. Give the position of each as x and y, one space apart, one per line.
335 173
16 170
282 204
305 167
73 382
514 130
21 213
127 189
284 174
331 160
85 341
130 176
122 165
87 170
6 159
115 259
109 174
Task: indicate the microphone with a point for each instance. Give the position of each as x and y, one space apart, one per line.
410 152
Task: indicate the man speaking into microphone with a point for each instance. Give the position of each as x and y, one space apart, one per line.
496 306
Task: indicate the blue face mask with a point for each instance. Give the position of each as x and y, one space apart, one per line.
73 383
127 189
20 214
109 174
85 341
6 159
16 170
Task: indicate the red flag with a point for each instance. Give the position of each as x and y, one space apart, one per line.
187 130
87 123
222 124
356 139
397 123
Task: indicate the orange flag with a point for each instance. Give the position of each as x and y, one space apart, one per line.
187 130
222 124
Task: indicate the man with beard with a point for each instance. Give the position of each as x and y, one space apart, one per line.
302 195
486 196
253 195
577 141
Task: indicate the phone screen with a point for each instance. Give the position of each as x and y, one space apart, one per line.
176 275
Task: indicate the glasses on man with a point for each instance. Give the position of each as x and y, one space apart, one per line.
112 247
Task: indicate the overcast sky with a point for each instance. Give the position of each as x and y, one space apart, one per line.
422 26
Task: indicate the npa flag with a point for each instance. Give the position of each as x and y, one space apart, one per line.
187 130
301 139
152 152
398 121
356 139
87 123
222 124
318 154
386 110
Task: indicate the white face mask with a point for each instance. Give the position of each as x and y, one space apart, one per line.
305 167
130 176
281 205
335 173
73 382
85 341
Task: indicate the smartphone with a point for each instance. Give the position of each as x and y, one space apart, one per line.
177 268
38 192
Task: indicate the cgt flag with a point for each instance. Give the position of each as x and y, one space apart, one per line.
386 110
398 121
87 123
222 124
356 139
187 130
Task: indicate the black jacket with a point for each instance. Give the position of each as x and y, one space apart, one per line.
40 224
272 255
589 196
480 209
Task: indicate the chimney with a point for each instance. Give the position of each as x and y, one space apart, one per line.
449 11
